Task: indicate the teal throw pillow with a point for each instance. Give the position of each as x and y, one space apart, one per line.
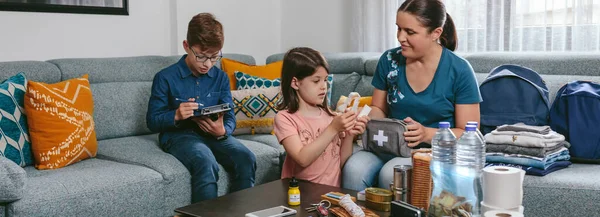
14 134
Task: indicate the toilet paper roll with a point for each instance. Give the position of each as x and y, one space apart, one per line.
502 213
503 187
485 208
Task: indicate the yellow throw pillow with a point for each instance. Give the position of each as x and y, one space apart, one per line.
269 71
365 100
61 124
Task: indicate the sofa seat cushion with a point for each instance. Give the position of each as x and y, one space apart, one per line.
267 165
93 187
144 151
12 181
574 191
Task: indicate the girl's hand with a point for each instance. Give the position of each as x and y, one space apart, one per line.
415 134
343 122
360 126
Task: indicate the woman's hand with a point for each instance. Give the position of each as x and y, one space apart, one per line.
416 132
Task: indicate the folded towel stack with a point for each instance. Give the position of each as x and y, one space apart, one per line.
536 149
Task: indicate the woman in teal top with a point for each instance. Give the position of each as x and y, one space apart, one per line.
421 82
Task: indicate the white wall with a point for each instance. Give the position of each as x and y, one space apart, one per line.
322 25
250 27
43 36
158 27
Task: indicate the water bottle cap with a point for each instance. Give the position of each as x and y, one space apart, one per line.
471 127
444 124
472 123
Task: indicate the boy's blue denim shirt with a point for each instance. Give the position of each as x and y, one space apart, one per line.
176 83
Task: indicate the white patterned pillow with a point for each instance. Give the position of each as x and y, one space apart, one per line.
255 109
245 81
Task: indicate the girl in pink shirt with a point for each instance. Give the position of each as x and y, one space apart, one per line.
317 141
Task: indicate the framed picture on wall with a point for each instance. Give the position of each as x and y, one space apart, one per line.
114 7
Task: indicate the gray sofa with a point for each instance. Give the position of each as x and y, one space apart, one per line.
132 176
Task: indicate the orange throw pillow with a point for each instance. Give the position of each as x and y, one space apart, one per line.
61 125
269 71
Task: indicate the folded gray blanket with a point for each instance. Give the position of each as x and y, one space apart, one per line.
531 151
521 127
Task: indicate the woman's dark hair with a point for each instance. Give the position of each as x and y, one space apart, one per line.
432 14
299 63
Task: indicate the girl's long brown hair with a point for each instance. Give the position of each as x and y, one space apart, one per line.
299 63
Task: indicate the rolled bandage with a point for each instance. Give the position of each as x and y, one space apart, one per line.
353 97
351 207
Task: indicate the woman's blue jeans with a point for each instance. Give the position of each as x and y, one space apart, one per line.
365 169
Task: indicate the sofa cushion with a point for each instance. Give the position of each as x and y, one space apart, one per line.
574 190
12 181
364 86
343 84
269 71
117 69
61 123
371 66
255 109
93 187
34 71
339 63
552 63
120 110
144 151
14 139
270 140
267 165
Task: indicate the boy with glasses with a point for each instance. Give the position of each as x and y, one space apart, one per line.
197 141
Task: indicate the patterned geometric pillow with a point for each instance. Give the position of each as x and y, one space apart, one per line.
245 81
14 135
61 122
255 109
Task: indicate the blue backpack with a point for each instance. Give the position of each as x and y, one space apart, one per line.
575 114
513 94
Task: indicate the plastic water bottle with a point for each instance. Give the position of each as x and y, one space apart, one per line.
470 160
443 145
480 137
470 149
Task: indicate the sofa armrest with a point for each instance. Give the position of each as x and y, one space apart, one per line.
12 181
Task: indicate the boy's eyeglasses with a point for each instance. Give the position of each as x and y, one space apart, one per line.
203 59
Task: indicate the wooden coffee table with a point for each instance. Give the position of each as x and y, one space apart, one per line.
262 197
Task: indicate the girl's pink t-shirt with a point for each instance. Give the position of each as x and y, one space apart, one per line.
325 169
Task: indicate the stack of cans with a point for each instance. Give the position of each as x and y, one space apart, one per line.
401 185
